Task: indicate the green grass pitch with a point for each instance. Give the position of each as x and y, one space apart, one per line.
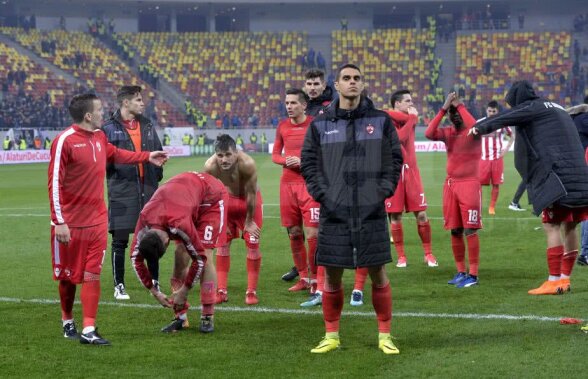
441 331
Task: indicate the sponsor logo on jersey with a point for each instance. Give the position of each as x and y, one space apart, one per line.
79 145
334 131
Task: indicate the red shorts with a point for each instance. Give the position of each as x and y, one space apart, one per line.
491 171
409 195
558 214
297 207
212 223
84 253
237 212
462 204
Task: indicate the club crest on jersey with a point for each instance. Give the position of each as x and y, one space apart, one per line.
98 146
370 129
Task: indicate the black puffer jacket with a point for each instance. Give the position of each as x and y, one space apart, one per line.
548 152
351 163
126 194
318 105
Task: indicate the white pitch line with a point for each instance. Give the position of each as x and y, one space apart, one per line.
468 316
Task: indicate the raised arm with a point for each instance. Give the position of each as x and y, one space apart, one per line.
518 115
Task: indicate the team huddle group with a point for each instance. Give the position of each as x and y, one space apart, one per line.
349 173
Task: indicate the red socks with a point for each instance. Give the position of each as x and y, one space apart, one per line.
458 247
554 260
424 229
382 302
332 307
568 261
223 265
90 296
67 295
320 278
473 253
253 267
398 236
207 298
312 243
494 195
361 274
299 255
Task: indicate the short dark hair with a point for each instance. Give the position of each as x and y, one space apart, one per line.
127 93
80 105
398 95
346 65
492 104
302 96
315 73
224 142
151 246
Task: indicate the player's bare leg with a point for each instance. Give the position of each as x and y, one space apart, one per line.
493 198
424 230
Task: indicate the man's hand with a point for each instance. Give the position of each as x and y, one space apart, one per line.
473 132
292 161
502 153
412 111
179 298
161 297
252 228
450 98
62 233
158 158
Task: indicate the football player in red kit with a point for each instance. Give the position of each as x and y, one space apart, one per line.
299 211
78 213
462 190
409 195
189 208
237 171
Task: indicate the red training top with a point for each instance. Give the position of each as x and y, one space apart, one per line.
290 138
463 151
76 175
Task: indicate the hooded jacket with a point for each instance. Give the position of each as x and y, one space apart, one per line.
126 194
579 114
351 163
315 106
548 152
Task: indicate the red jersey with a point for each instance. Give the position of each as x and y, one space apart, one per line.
290 138
492 143
405 127
76 175
175 208
463 151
